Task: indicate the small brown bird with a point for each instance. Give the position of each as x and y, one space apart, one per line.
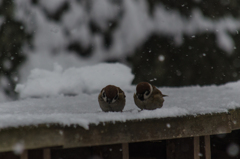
111 99
148 96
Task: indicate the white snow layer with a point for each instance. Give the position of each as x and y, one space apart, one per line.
53 107
73 81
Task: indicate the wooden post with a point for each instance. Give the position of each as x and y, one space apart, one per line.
46 154
207 147
125 151
24 155
196 147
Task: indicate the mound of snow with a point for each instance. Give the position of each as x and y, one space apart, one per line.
73 81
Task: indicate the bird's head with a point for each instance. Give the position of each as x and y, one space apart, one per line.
110 94
143 90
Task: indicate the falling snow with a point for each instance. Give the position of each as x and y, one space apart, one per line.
161 58
233 149
18 148
168 125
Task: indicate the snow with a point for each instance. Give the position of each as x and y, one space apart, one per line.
73 81
3 97
51 5
103 11
233 150
134 25
165 23
18 148
62 98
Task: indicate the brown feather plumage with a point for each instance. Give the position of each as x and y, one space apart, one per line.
155 99
111 92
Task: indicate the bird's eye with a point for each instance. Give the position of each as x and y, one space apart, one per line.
104 95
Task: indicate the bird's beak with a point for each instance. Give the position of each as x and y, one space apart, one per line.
109 101
140 97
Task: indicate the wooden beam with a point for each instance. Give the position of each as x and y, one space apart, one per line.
117 132
125 151
234 116
146 130
24 155
196 147
207 147
33 136
46 153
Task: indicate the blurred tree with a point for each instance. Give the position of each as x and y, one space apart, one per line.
198 60
12 38
86 28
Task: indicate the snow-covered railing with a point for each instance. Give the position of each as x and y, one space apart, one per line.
69 115
105 133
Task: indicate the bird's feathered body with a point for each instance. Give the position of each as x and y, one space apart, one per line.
116 105
153 101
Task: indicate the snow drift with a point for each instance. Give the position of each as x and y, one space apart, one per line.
73 81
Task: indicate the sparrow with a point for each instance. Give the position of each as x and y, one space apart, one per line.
111 99
148 97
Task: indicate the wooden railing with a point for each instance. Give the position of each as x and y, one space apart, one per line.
56 135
